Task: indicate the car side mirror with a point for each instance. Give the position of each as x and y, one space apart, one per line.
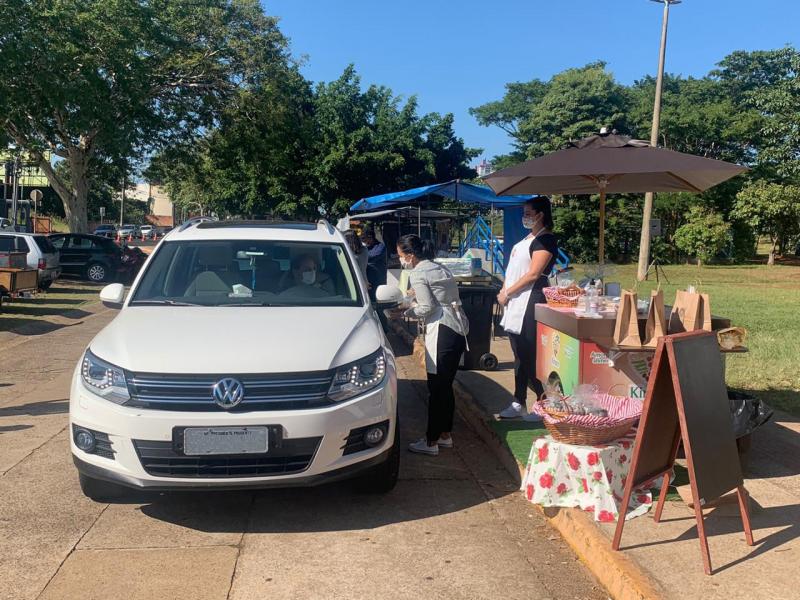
113 296
388 296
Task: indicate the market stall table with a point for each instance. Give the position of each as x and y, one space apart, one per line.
591 478
573 349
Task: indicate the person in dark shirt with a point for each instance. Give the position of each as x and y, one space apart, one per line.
529 265
376 263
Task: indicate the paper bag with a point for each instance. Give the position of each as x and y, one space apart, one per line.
626 329
690 312
656 325
705 312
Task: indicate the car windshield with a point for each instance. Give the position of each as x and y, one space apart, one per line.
248 273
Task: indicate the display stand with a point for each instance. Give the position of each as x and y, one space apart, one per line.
687 400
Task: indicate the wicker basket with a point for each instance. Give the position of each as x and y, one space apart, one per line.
579 435
596 431
564 297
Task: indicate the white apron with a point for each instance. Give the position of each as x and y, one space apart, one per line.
518 264
432 334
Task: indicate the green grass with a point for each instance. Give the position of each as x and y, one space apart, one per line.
518 436
762 299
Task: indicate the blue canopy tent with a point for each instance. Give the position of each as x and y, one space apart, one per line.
463 193
467 193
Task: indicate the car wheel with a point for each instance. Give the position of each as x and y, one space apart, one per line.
45 285
96 272
383 478
99 490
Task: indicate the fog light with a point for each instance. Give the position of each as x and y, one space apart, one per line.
374 436
84 440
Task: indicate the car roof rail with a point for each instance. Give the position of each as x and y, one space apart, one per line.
327 225
195 221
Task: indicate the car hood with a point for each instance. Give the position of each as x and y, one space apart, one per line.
237 340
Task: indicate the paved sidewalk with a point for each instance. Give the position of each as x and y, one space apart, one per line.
450 530
669 552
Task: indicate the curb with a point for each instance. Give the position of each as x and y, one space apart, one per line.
617 573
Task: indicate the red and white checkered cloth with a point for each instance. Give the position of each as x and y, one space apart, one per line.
619 409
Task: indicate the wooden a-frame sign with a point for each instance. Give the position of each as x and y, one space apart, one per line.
687 400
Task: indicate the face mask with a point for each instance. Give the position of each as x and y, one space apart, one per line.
405 263
528 222
309 277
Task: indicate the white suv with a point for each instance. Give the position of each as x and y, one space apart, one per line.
271 369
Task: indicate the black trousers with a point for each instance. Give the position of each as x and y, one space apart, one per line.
441 400
523 344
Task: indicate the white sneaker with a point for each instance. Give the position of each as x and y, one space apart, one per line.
515 410
445 443
421 447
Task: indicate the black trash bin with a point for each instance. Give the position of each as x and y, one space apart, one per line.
478 300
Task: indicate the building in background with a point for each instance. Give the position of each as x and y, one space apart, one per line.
160 210
484 168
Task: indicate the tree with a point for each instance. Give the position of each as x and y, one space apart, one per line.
287 150
772 210
768 81
542 117
111 79
704 235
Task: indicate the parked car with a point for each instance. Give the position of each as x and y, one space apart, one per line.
271 368
129 229
90 257
107 230
146 231
6 223
42 255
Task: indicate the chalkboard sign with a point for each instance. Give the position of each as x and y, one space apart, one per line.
687 400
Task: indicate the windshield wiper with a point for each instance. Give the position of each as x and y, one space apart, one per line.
165 303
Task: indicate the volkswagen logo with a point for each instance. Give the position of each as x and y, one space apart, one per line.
228 392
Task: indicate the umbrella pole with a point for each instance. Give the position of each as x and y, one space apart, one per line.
419 220
602 242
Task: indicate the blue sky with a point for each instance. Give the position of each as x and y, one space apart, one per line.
455 54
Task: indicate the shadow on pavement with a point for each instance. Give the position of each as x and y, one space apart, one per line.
49 407
9 428
726 522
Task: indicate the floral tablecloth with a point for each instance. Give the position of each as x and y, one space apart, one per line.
590 477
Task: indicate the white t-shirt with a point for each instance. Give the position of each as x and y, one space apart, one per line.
518 264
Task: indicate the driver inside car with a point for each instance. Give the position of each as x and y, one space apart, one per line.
306 278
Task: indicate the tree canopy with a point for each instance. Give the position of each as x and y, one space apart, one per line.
746 111
108 80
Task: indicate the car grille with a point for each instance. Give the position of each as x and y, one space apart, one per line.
166 459
261 392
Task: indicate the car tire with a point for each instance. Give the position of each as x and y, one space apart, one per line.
100 490
96 272
383 478
45 285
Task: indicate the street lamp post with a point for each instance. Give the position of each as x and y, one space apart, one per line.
644 245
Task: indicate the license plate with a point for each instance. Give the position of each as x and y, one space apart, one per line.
198 441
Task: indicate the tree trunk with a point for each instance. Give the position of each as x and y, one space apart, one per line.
771 259
76 207
75 197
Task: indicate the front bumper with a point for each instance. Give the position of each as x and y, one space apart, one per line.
128 427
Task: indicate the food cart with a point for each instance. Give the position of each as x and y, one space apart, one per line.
573 350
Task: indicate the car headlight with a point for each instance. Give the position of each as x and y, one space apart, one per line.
358 377
104 379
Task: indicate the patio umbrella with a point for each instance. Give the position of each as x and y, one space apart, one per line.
611 164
